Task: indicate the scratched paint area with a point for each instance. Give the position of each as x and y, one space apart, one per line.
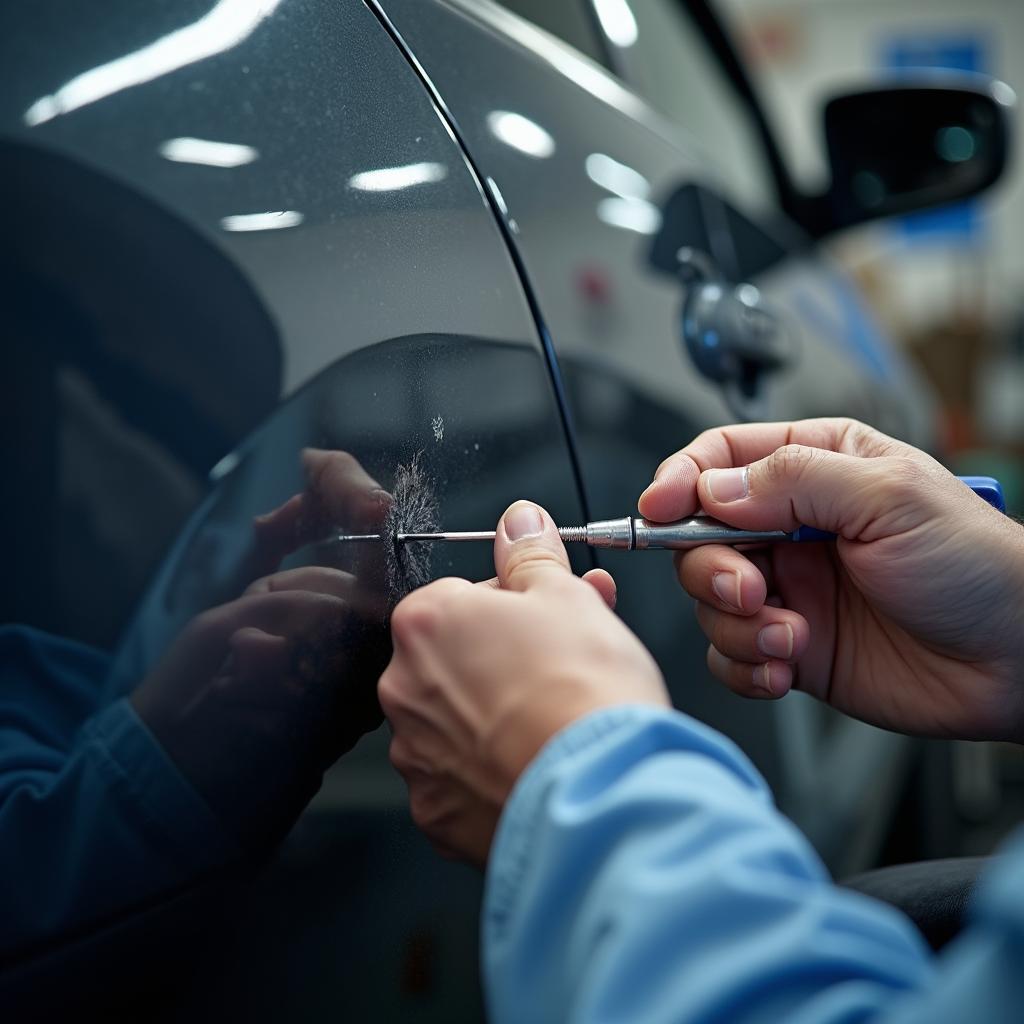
414 509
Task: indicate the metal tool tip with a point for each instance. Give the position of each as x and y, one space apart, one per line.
573 534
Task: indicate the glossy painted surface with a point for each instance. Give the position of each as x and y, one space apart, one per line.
394 236
324 108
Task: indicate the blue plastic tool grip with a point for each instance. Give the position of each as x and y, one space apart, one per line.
985 487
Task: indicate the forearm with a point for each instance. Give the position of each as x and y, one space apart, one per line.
641 873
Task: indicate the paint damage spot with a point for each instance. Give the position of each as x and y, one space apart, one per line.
414 509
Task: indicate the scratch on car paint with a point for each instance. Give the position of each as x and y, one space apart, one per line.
414 509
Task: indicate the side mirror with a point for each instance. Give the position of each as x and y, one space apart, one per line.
917 143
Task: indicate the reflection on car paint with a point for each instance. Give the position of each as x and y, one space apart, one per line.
520 132
390 179
269 220
207 152
227 24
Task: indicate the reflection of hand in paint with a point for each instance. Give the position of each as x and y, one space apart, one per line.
340 496
258 696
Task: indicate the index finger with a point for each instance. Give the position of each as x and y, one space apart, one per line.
673 494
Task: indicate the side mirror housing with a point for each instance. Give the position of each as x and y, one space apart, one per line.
919 142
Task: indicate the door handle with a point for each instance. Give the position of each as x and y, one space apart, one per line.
731 335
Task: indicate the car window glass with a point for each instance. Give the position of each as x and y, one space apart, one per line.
669 63
567 19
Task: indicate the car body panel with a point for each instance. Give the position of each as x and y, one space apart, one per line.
385 319
365 264
634 395
313 91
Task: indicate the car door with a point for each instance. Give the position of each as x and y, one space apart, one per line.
599 192
236 232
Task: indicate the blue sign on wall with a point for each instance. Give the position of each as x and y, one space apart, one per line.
959 222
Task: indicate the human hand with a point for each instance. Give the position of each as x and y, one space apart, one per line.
483 675
911 620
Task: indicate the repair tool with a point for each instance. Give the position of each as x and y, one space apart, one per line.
632 533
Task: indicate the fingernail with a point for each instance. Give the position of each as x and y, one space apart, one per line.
763 677
776 640
727 484
726 586
378 500
523 521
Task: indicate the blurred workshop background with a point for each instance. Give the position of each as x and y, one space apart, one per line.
948 284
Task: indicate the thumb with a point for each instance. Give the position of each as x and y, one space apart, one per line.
527 549
800 485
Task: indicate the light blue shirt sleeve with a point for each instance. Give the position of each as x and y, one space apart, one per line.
642 873
95 819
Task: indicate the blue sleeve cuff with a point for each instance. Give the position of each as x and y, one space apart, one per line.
143 776
641 872
590 735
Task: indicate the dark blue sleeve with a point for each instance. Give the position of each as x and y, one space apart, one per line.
94 817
